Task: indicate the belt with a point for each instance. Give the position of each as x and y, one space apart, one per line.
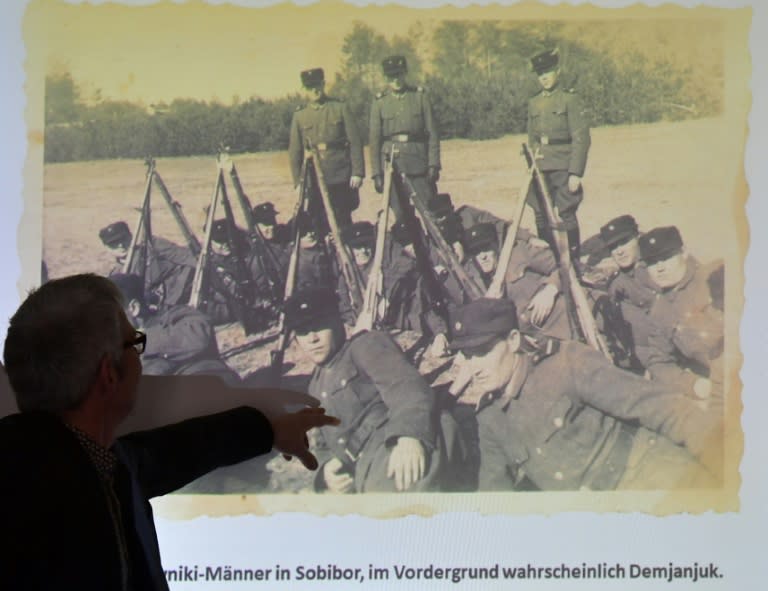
551 141
323 146
406 137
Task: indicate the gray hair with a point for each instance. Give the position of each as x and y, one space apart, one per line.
57 339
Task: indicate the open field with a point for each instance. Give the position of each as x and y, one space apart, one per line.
667 173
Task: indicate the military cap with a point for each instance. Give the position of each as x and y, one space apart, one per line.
131 286
264 213
451 229
659 244
401 234
546 61
440 205
481 237
312 308
359 234
394 65
115 234
219 231
481 321
618 231
312 78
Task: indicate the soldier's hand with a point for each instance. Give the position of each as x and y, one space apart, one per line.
378 183
407 463
355 182
336 479
574 183
439 346
702 388
433 174
290 433
541 304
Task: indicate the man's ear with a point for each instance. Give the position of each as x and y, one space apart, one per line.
106 376
134 308
514 340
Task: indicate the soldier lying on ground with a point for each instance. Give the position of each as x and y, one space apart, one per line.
558 414
228 282
389 439
685 344
171 268
441 206
397 267
531 279
180 340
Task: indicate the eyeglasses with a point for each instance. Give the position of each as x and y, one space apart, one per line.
138 342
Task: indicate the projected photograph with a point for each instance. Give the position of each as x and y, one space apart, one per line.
504 245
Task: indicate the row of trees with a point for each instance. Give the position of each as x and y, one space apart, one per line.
477 74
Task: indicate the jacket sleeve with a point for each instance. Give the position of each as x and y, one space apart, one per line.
407 395
580 138
167 458
375 138
295 149
433 134
355 142
188 335
656 406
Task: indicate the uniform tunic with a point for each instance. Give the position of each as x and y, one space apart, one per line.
531 266
328 126
686 330
181 341
634 293
379 397
567 423
170 273
405 119
558 133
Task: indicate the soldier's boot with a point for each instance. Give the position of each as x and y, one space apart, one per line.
545 232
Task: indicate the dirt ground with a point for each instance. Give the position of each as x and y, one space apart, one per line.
666 173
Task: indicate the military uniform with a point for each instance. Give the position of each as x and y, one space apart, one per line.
181 341
558 135
686 331
377 395
403 121
569 420
328 126
171 268
531 266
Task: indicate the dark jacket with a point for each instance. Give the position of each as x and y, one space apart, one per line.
57 531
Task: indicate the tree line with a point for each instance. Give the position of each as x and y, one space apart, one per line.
477 74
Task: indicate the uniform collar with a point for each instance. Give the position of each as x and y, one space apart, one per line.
691 265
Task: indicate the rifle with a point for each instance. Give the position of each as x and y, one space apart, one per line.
143 213
266 257
347 266
444 250
497 283
579 309
181 221
195 299
277 355
374 290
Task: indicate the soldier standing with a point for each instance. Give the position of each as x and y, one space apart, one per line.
388 440
401 119
685 345
558 135
561 415
326 124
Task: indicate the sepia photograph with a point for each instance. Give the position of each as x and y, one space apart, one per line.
504 245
